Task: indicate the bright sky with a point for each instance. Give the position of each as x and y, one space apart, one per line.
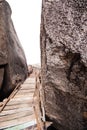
26 15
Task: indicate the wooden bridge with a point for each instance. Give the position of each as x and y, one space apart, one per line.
23 108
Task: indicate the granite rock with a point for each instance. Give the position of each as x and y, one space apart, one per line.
13 66
64 62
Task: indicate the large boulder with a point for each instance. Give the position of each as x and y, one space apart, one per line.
13 66
64 62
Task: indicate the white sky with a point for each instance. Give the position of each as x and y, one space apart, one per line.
26 15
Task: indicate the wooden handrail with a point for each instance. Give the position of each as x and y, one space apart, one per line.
11 96
40 116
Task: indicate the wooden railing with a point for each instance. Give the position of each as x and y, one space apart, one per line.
3 104
38 104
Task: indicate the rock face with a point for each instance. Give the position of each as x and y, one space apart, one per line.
64 62
13 67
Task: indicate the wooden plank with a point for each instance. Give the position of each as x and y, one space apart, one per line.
15 116
29 95
29 78
33 89
22 98
29 125
15 102
26 91
11 107
23 95
15 111
27 85
29 81
17 122
27 88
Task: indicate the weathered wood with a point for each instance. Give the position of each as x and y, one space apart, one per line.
9 112
25 91
30 125
30 95
16 122
38 105
17 106
27 86
11 103
15 116
22 96
19 109
37 119
31 80
11 96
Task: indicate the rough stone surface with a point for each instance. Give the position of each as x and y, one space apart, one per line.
13 67
64 62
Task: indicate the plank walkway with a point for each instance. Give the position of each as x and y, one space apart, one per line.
18 112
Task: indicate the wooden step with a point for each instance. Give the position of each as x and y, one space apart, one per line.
15 116
17 106
23 99
27 88
26 91
24 95
28 85
9 112
29 81
29 125
15 102
16 122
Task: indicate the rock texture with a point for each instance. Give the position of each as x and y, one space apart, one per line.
13 67
64 62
